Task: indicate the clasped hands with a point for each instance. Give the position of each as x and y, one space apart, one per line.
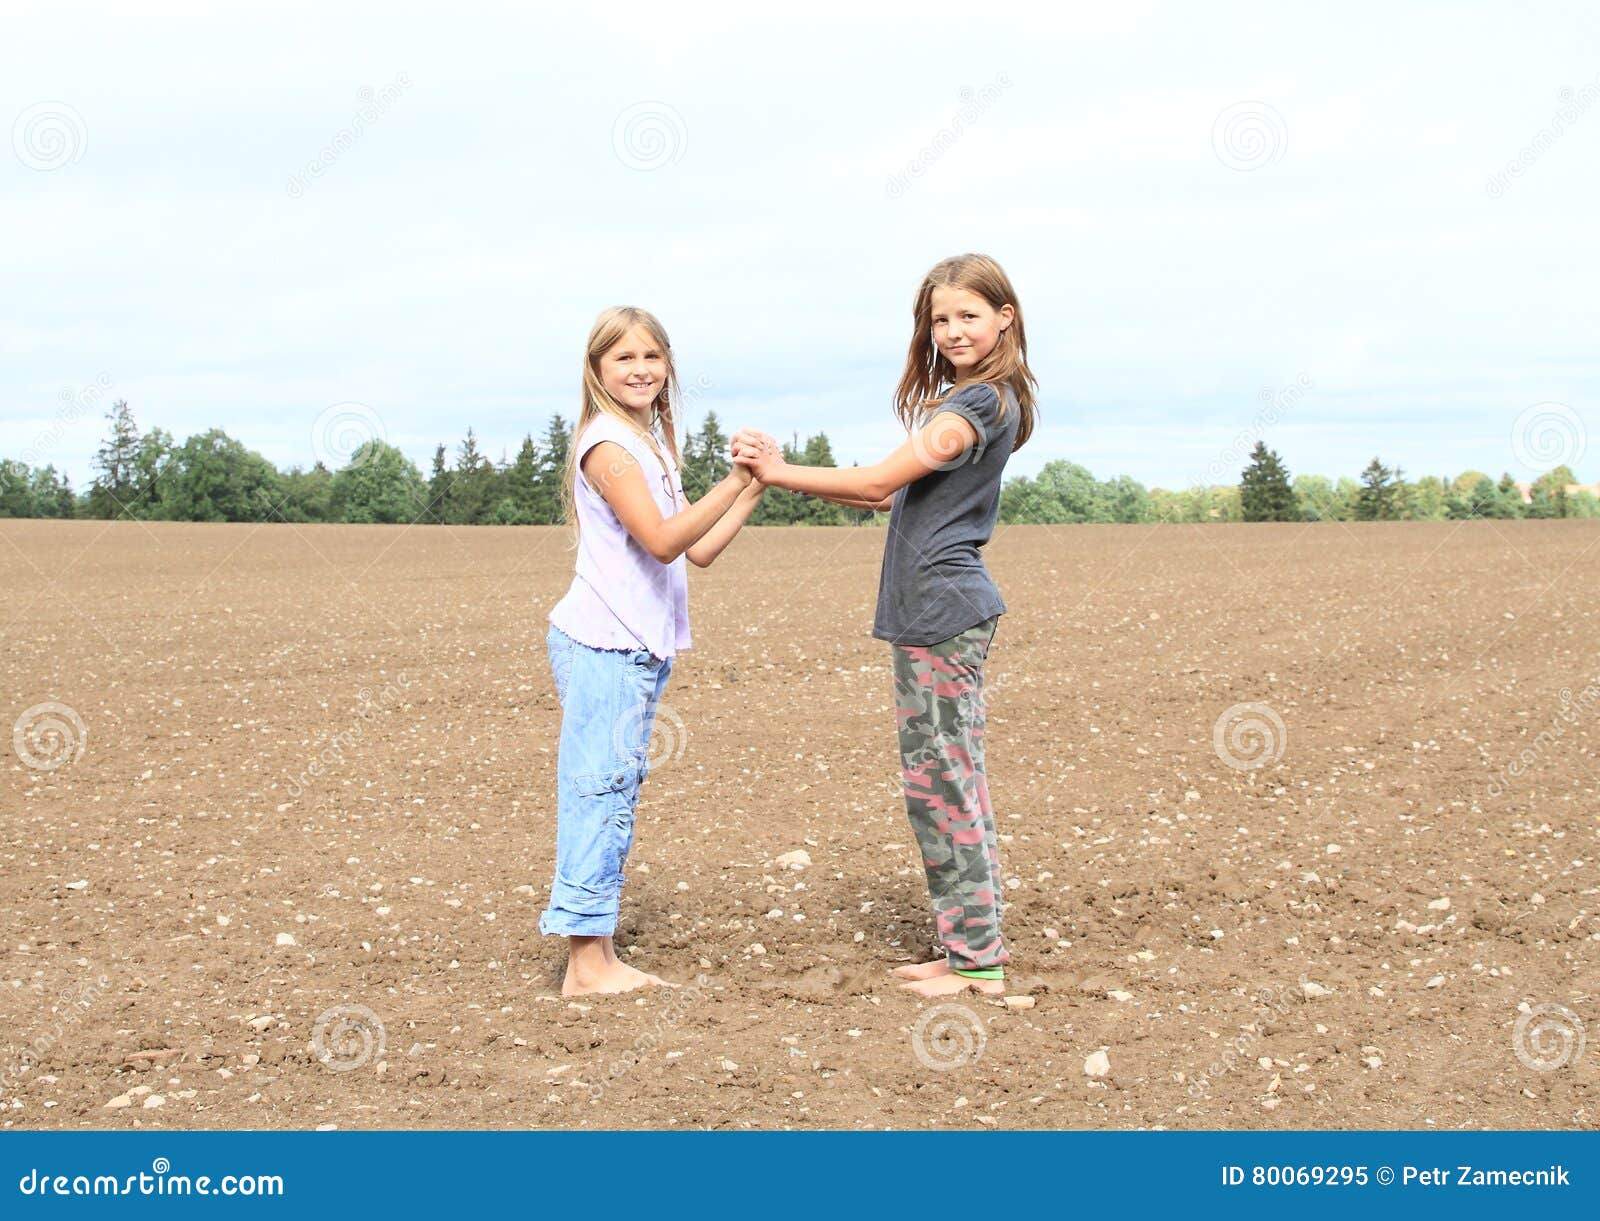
757 452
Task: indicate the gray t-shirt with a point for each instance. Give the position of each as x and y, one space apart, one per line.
934 585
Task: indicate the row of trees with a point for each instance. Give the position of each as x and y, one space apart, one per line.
212 477
1066 493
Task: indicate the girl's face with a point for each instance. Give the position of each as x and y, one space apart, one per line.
966 327
633 370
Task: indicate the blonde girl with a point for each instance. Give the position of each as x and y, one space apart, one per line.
614 635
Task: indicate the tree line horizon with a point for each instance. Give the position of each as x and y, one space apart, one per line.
214 478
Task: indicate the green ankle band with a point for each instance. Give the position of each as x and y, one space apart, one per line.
980 972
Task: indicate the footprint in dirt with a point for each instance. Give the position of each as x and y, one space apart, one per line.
816 983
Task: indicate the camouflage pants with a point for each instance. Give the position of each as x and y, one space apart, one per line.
939 709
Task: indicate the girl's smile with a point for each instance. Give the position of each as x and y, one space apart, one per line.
633 371
966 327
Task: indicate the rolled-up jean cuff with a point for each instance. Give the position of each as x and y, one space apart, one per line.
579 911
570 924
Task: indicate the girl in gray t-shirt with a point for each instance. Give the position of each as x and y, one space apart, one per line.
967 401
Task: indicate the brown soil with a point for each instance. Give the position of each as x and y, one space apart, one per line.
147 881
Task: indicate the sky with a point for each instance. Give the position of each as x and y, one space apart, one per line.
313 223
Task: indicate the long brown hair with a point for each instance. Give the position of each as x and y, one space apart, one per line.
929 378
612 324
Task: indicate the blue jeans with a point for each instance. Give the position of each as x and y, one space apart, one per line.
608 705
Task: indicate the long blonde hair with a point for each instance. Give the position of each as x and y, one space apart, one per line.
929 379
612 324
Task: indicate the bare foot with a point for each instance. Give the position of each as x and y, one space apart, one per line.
950 984
593 966
584 979
922 970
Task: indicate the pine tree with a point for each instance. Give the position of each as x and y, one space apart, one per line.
468 502
524 477
552 469
113 492
1509 499
1264 491
1378 498
439 481
705 457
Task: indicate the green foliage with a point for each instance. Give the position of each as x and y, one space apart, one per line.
215 478
778 507
1264 491
34 493
112 493
1550 494
1064 492
308 495
1383 493
379 484
211 477
705 458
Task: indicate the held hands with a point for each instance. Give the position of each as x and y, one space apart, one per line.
757 452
